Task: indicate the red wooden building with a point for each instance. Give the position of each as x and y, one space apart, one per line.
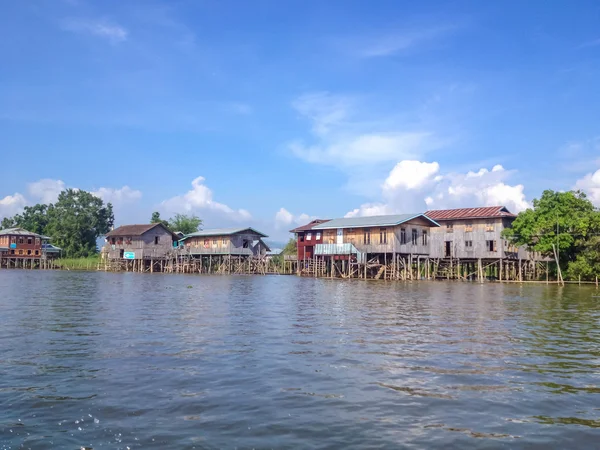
306 239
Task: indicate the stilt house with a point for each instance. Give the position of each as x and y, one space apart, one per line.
140 242
22 248
226 241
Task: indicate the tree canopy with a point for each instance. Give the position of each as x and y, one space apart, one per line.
291 247
73 223
157 219
185 223
569 222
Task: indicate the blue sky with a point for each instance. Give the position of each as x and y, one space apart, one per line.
268 113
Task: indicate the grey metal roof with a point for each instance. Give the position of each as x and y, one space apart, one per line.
222 232
20 232
372 221
51 248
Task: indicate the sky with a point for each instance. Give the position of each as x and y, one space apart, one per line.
269 113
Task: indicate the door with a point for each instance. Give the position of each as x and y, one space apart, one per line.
340 236
448 249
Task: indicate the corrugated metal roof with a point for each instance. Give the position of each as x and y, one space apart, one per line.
137 230
222 232
309 226
20 232
371 221
470 213
51 248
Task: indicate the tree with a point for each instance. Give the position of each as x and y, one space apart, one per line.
291 248
156 219
76 220
8 222
184 223
34 218
567 220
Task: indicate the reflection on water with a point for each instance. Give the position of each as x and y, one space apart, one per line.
142 361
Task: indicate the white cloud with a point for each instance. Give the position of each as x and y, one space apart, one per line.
285 219
45 190
106 30
394 43
415 186
590 184
11 205
346 142
200 199
118 196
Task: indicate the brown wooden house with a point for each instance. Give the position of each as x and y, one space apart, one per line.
139 242
22 248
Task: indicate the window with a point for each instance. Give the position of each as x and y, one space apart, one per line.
469 227
415 236
28 252
383 236
224 241
402 236
424 237
449 227
21 240
29 241
37 241
13 240
215 242
489 226
469 245
129 240
301 238
113 241
156 240
308 236
120 241
246 243
20 252
491 246
318 236
12 252
37 252
206 243
367 236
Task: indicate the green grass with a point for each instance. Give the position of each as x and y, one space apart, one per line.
89 263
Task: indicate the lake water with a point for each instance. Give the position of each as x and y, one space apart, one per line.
157 361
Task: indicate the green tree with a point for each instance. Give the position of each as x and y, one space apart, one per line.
34 218
156 219
76 221
567 220
8 222
291 247
184 223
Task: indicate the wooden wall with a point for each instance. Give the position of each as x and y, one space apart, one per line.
23 249
143 246
226 245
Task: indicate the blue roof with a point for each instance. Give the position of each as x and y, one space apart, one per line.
372 221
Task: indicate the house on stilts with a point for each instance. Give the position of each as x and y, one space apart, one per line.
139 248
20 248
394 247
226 250
469 245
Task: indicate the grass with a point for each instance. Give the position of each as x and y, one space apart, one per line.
89 263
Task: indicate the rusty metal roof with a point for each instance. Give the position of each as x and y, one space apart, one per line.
309 226
223 232
137 230
486 212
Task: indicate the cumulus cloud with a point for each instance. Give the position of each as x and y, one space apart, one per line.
11 205
200 199
103 29
415 186
285 219
45 190
118 196
590 184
